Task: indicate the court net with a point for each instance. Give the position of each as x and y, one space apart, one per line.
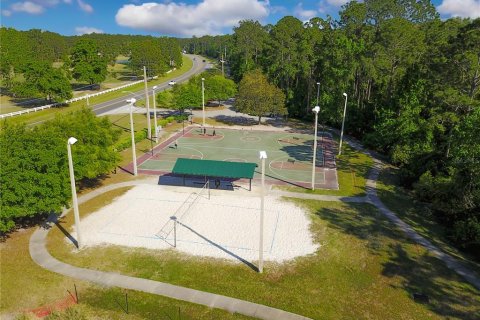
185 208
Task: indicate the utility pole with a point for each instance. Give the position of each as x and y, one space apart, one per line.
149 127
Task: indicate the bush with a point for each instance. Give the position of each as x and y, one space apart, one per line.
127 142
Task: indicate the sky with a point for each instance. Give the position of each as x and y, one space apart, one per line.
181 18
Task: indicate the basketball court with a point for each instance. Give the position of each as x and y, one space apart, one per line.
289 154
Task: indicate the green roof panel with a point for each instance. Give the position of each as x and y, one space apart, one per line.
214 168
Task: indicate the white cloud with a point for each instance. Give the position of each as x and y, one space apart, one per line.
304 14
337 3
32 6
27 6
464 8
85 6
206 17
87 30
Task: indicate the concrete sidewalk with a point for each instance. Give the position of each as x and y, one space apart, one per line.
42 257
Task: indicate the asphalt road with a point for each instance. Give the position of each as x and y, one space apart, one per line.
107 107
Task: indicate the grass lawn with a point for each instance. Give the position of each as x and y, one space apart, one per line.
26 286
38 117
365 268
417 215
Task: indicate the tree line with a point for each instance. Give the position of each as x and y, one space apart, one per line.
41 64
413 85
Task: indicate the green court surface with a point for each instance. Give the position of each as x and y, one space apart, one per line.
289 154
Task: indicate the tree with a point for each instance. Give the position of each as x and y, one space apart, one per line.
164 99
258 97
42 80
34 178
220 88
249 40
186 95
87 62
148 53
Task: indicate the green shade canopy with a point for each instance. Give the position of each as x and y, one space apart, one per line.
214 168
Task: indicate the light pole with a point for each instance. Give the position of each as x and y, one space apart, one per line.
222 61
155 113
88 101
318 95
343 123
315 110
71 141
263 156
149 125
134 156
203 101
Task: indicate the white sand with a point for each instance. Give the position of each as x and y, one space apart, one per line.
226 226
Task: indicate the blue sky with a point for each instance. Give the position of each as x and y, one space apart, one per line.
177 18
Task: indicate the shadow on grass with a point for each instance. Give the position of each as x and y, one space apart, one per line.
442 291
427 276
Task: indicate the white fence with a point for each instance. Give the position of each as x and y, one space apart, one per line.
87 96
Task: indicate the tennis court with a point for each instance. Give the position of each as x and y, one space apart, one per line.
289 154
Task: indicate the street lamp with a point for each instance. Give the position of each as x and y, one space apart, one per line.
70 142
343 123
134 156
155 113
149 128
263 156
203 100
315 110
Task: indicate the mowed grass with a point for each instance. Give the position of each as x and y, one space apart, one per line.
418 215
44 115
26 286
364 269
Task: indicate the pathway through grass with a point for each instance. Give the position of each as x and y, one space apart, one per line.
365 268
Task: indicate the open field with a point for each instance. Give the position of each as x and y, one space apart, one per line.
365 268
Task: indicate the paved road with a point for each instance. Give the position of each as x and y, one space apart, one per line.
107 107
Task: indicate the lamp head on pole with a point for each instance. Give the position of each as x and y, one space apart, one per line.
155 87
318 83
203 79
344 94
72 140
316 109
263 154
